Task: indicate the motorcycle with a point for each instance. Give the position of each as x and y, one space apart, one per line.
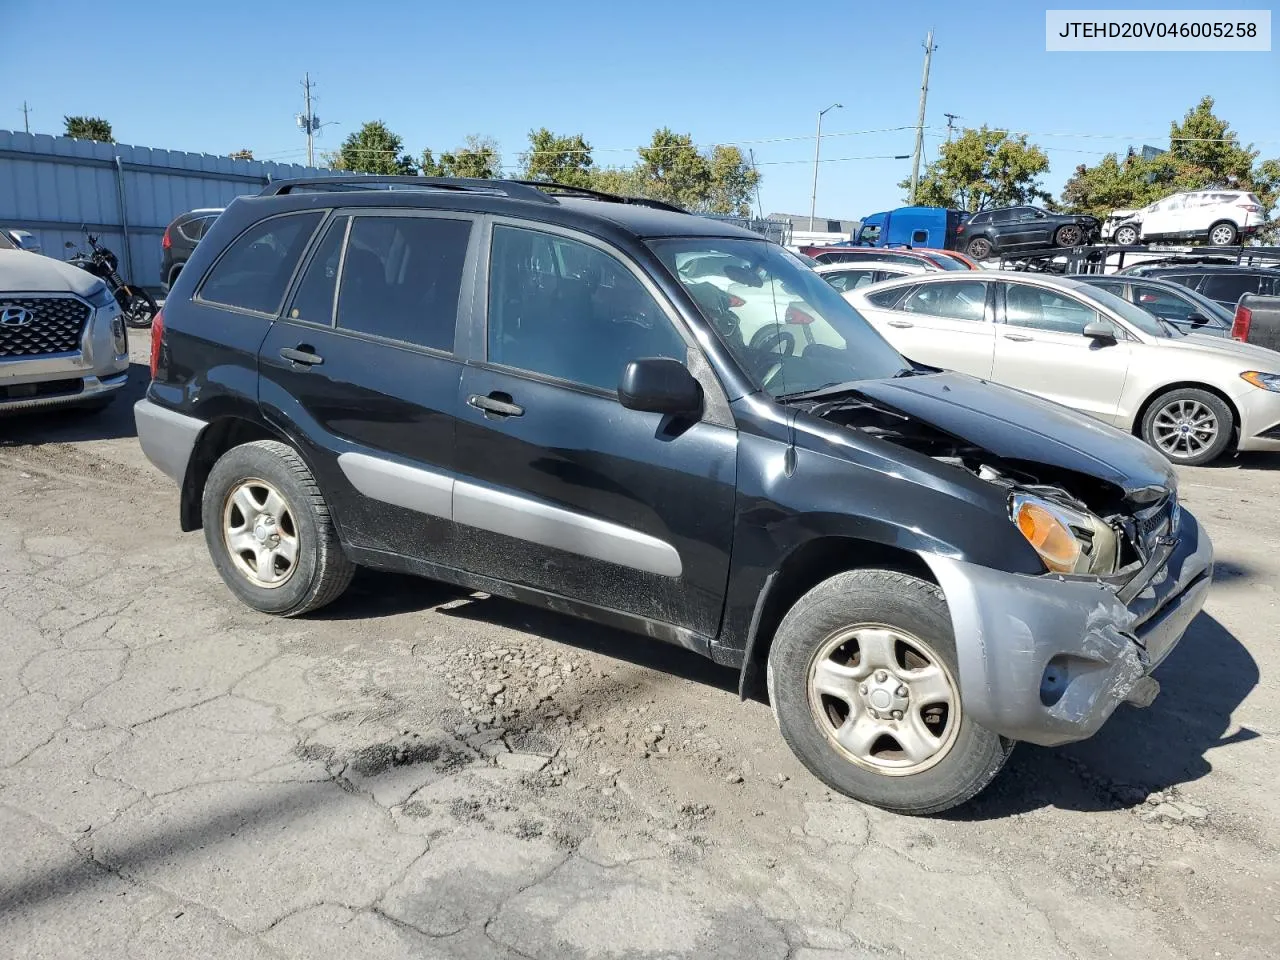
137 306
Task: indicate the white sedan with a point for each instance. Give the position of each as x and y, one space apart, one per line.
1190 396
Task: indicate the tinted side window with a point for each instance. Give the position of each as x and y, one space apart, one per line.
1161 302
1191 280
978 219
847 280
313 301
191 230
1002 216
253 273
1041 309
885 298
401 277
960 300
1229 287
569 310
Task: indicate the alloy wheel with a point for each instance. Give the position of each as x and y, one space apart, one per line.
1070 236
1185 428
260 534
884 698
1221 235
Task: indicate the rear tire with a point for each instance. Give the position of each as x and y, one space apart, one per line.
1190 427
297 564
1223 234
895 734
979 248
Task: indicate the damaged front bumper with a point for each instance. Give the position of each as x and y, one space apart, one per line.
1046 659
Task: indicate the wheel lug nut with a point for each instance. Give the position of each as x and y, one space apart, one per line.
875 715
897 714
902 690
881 676
863 689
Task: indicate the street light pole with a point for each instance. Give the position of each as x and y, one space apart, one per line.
817 149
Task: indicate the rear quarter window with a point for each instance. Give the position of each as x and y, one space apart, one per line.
253 273
887 299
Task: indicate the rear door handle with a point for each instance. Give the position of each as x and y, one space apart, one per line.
901 324
496 405
304 354
1018 337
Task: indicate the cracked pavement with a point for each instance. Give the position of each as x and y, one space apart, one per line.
422 772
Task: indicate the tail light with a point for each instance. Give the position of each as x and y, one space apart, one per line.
165 242
960 229
157 334
1240 325
798 317
736 301
1249 207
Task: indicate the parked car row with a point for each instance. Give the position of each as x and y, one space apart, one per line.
567 400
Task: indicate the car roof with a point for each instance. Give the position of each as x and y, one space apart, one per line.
1205 268
1020 276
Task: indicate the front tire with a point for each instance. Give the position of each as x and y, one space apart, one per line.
1126 236
1189 426
863 682
140 308
1069 235
269 531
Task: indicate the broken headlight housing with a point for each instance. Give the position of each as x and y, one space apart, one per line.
1067 539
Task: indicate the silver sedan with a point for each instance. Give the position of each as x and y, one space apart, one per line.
1190 396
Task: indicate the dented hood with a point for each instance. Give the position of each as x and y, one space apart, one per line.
1014 425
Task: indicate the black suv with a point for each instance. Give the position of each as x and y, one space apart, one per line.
180 238
1222 284
516 388
1010 229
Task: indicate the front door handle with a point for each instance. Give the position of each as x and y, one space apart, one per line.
496 404
901 324
304 355
1018 337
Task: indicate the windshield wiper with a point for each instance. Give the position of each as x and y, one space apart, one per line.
837 387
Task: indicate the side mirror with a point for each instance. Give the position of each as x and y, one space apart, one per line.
1197 320
1100 330
660 385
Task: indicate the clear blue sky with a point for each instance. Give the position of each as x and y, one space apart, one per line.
217 76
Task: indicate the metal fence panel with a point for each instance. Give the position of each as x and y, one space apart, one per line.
126 194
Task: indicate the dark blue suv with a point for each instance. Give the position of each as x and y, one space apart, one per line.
620 411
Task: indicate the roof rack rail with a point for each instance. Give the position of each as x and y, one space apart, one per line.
542 185
501 188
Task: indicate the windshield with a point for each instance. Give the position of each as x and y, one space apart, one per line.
1135 316
783 323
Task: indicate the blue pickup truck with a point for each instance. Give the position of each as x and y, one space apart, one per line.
912 226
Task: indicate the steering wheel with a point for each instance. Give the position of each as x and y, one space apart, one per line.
770 339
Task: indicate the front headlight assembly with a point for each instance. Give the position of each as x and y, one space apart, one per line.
1266 381
1068 540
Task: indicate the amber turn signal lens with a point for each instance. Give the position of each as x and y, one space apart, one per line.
1057 546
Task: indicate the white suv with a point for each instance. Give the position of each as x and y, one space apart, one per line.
1222 217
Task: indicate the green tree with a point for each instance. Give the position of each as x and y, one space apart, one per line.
557 159
89 128
983 168
1204 151
245 154
1112 184
733 180
373 149
478 159
673 170
622 181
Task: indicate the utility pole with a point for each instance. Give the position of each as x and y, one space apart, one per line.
817 147
924 96
951 120
26 122
308 122
759 207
